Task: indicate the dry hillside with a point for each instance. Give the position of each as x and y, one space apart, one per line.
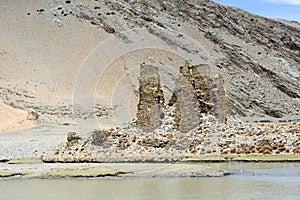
66 62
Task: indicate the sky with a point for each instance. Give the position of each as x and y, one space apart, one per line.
283 9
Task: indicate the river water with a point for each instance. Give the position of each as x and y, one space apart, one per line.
252 181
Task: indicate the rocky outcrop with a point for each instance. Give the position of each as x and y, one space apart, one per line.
73 138
99 138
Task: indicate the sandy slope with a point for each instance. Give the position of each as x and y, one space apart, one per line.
38 56
46 56
12 119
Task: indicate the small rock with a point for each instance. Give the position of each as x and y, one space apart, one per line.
73 136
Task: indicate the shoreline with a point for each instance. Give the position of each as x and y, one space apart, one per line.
166 159
188 159
33 168
106 170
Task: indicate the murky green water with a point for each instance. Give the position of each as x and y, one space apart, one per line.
255 181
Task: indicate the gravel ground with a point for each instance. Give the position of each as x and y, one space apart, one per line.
31 143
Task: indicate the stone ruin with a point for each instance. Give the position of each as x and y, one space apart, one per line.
149 114
195 93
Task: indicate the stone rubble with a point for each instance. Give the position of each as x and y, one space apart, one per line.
209 138
193 123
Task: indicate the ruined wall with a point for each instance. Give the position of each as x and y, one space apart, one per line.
219 109
195 93
184 99
149 112
201 82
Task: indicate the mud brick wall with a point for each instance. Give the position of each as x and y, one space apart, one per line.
187 114
149 112
201 82
219 109
195 93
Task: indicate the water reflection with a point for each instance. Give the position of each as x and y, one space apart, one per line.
256 181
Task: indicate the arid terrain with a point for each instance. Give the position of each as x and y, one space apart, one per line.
70 67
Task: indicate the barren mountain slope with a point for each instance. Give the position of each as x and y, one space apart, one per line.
55 54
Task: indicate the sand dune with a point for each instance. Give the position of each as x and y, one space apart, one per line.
12 119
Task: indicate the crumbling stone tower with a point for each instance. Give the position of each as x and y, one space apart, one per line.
219 109
149 112
184 99
200 81
195 93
